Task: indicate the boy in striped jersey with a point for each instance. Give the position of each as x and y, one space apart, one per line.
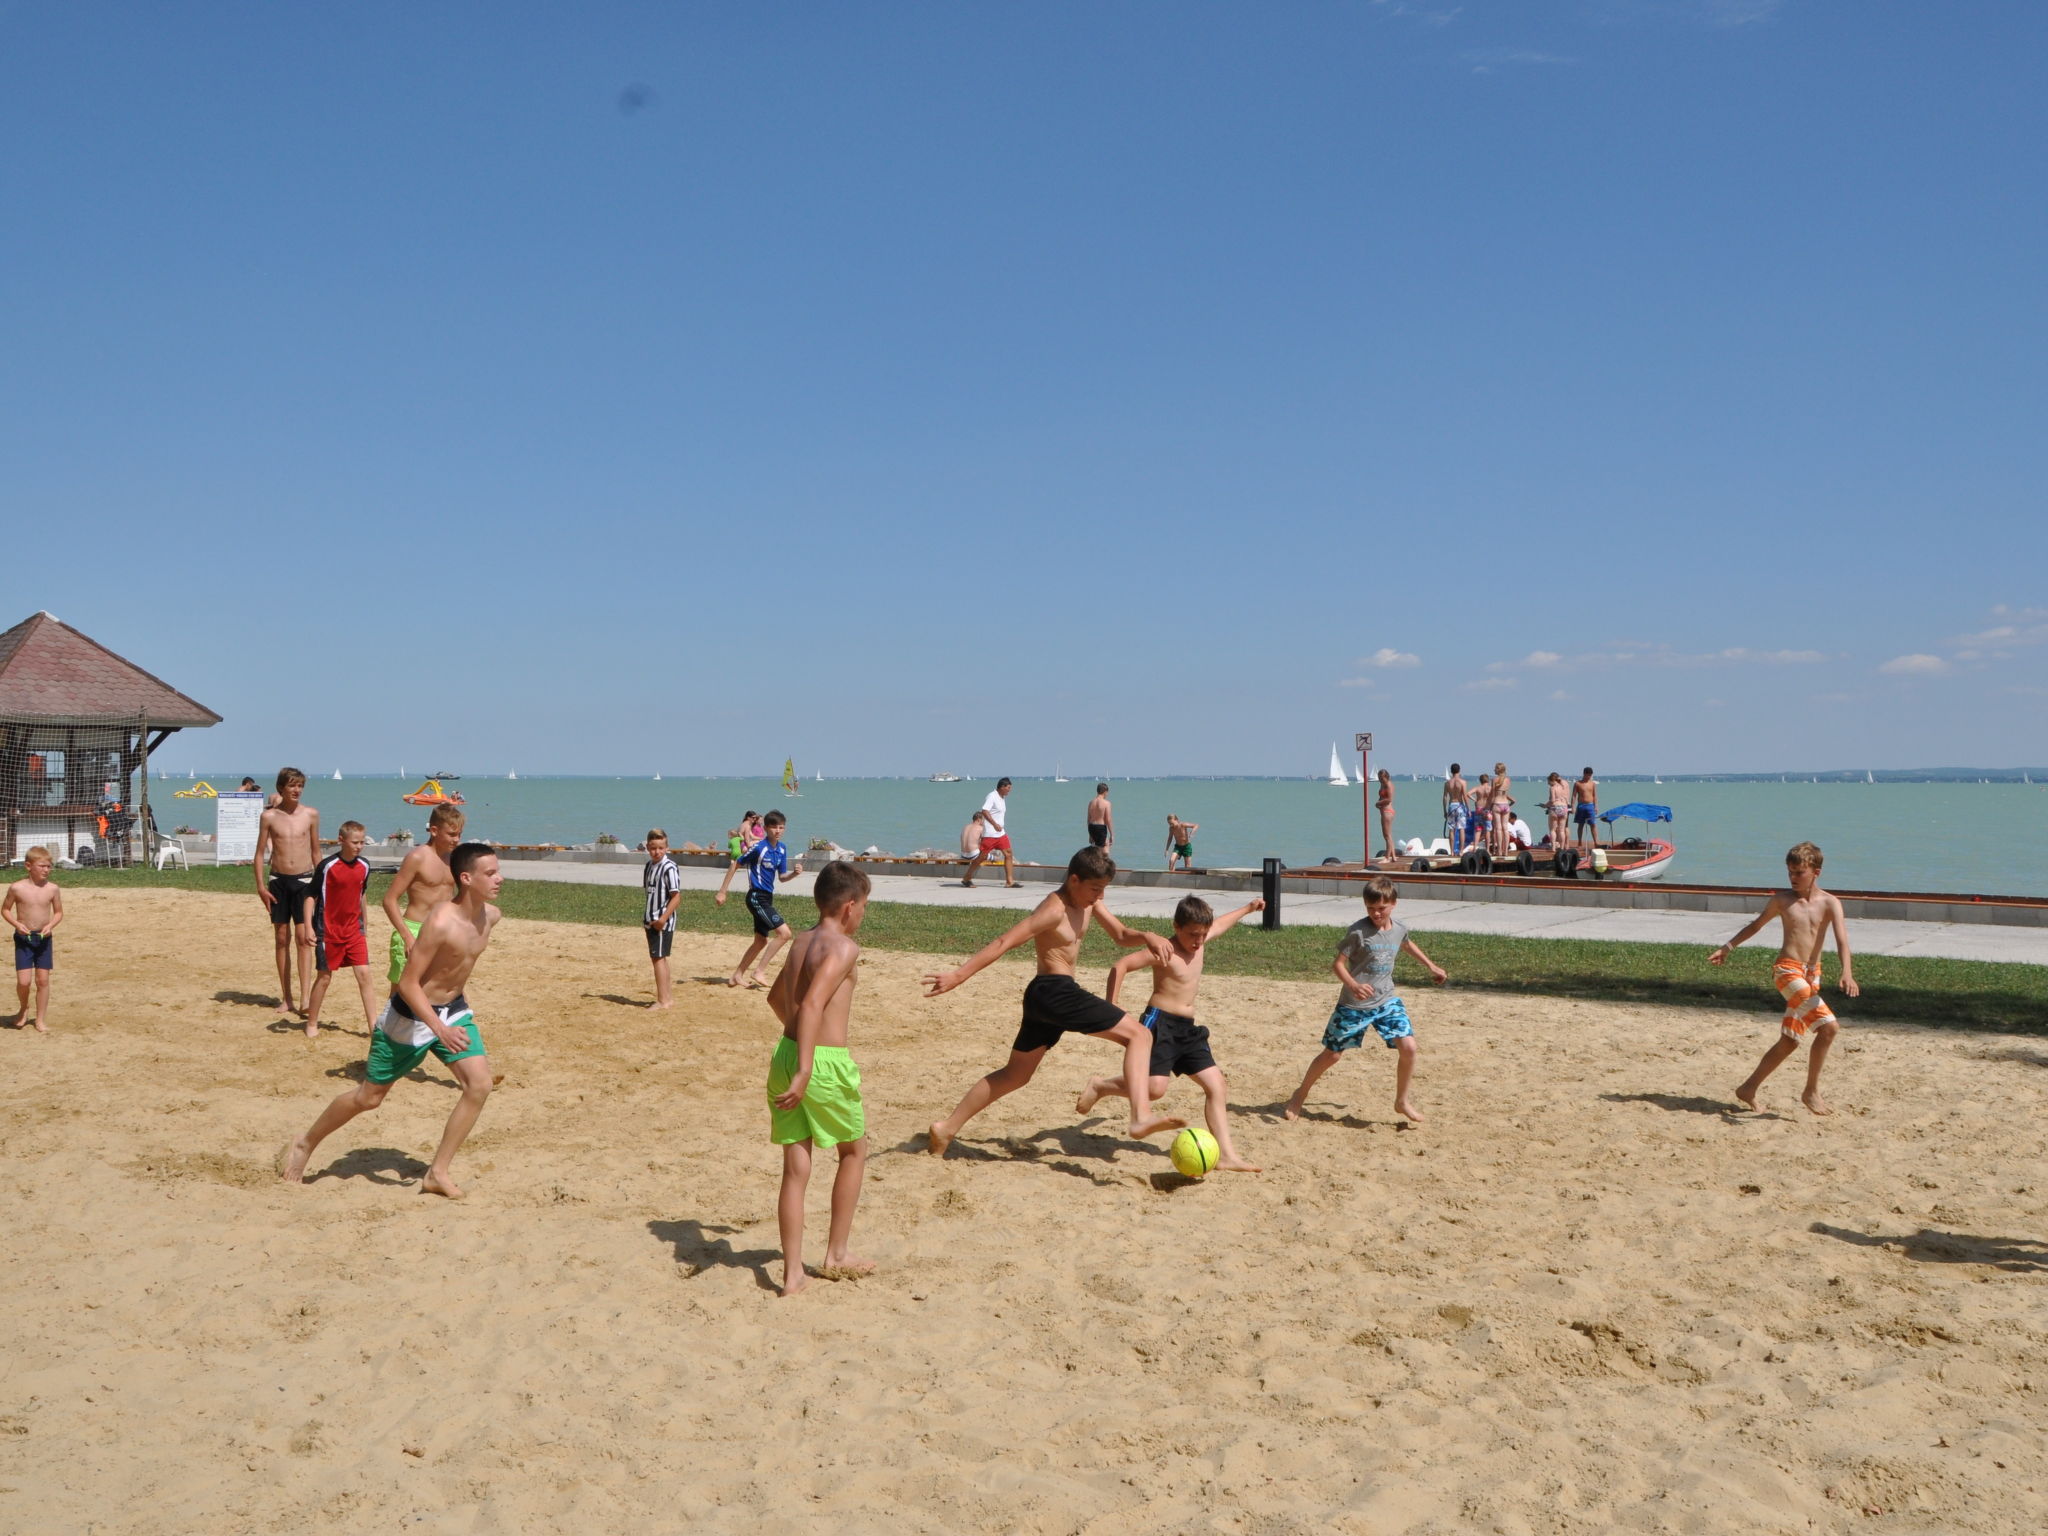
664 884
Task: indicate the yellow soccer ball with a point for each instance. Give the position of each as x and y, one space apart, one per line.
1193 1152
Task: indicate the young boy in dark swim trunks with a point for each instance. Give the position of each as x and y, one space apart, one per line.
427 1015
1180 1046
289 835
1055 1004
813 1084
33 909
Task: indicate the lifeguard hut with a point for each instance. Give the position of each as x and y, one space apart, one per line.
77 726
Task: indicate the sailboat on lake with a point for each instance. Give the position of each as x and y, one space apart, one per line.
1337 779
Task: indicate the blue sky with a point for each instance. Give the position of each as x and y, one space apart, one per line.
1164 387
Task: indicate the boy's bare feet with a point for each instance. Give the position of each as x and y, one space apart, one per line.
1235 1165
940 1140
440 1184
792 1284
1085 1101
966 885
1140 1129
291 1160
1810 1098
659 1006
1746 1096
848 1268
734 980
312 1029
1406 1110
756 981
1292 1110
41 1029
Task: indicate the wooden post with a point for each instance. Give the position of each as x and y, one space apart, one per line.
142 810
1363 742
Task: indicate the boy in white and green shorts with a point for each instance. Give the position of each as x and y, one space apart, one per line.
813 1084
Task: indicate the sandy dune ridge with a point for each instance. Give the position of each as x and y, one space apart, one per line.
1583 1297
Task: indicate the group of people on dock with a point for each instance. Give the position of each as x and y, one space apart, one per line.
1483 815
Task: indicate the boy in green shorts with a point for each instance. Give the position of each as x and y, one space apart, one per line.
427 1015
813 1084
424 881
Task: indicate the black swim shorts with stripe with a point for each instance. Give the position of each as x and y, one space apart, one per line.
1060 1005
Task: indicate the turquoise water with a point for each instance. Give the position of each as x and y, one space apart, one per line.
1982 838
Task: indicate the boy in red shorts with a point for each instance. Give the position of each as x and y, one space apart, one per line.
341 881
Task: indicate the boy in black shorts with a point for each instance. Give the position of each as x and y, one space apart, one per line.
1180 1046
764 861
1055 1004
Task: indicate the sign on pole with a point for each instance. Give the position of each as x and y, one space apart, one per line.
1362 742
238 816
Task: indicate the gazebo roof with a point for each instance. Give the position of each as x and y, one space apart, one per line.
51 673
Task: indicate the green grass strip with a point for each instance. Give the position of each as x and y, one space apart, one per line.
1963 994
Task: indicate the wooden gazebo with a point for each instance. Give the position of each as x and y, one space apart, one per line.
77 725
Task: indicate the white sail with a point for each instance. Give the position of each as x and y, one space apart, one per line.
1058 777
337 773
1337 779
1867 778
513 774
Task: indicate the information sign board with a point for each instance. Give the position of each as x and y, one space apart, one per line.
238 816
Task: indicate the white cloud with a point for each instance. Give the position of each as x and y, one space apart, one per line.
1917 664
1490 685
1387 656
1485 61
1558 696
1357 682
1639 653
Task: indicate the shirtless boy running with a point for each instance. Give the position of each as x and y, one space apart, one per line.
1055 1003
813 1084
427 1014
1180 1046
289 835
1809 914
425 881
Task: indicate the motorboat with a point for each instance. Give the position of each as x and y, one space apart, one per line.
945 778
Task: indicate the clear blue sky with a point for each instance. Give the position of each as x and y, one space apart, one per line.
1159 387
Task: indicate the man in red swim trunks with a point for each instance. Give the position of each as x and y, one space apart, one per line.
995 836
341 881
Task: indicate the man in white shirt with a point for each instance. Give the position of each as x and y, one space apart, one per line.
995 836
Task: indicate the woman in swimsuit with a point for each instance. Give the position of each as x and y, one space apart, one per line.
1503 811
1385 802
1559 809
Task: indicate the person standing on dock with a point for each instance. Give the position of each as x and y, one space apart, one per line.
1585 806
1101 820
1385 803
995 837
1454 808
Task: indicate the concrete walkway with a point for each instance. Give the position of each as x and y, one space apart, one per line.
1955 941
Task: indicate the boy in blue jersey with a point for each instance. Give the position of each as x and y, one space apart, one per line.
764 861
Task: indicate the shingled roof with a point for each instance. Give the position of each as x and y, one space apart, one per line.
50 672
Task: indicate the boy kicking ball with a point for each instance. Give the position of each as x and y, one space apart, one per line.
1808 913
1365 967
1180 1046
813 1084
1055 1004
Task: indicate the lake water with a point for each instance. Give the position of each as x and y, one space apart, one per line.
1980 838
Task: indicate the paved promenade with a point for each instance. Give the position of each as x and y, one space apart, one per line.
1957 941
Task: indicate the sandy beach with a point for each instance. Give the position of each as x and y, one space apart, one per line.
1583 1297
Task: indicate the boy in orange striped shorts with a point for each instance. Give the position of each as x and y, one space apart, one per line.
1809 913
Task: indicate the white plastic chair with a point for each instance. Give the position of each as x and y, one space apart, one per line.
167 849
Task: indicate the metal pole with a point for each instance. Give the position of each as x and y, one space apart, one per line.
143 809
1269 887
1365 796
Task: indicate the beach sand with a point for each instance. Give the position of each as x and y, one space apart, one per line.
1583 1297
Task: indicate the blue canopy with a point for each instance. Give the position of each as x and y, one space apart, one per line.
1638 811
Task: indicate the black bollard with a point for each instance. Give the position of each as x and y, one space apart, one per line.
1270 888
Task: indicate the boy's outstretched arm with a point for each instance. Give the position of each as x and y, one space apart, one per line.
1436 972
1125 964
1130 938
1046 914
1230 920
810 1021
730 870
1841 926
1755 926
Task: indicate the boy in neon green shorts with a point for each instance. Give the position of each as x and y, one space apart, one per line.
424 880
813 1084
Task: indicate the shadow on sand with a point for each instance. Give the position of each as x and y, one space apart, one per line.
2017 1254
696 1250
380 1165
247 999
1692 1104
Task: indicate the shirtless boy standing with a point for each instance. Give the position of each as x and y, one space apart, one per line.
813 1084
1585 806
427 1014
1455 791
1180 841
289 834
1180 1046
1809 914
33 909
1055 1004
1101 820
425 881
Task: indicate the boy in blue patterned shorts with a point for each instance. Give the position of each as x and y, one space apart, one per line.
1365 965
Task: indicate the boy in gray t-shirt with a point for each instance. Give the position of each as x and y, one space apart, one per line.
1365 966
